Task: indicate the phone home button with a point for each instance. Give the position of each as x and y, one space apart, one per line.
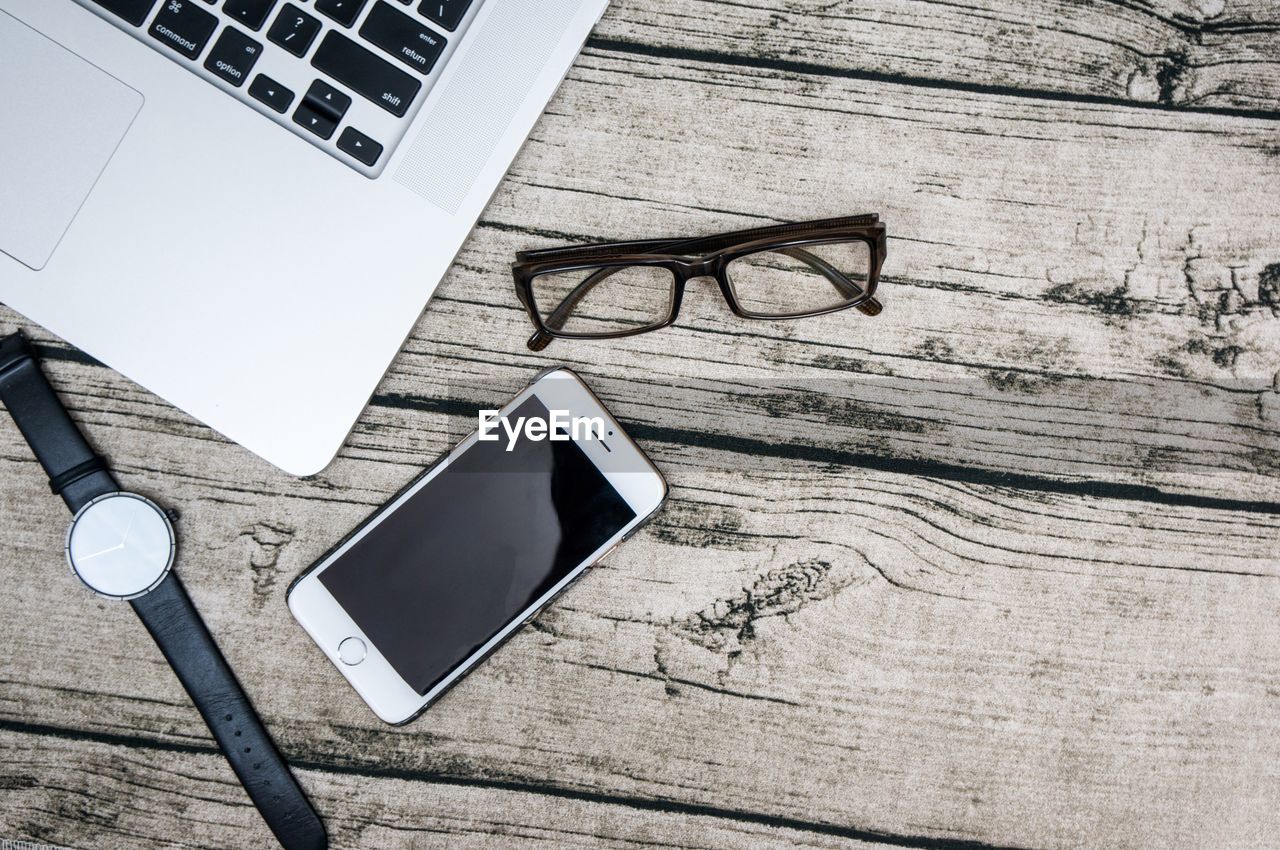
352 651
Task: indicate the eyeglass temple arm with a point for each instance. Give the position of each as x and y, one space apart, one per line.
839 280
556 319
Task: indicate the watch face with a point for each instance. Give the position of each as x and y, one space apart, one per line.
121 545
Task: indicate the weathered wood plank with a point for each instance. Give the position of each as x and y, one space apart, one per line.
1065 243
841 647
1073 437
86 793
1074 204
1185 53
1070 245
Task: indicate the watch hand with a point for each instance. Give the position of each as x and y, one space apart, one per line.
101 552
127 529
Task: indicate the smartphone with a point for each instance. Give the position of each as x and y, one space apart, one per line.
435 580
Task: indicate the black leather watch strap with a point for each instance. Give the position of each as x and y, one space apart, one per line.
79 476
178 630
75 471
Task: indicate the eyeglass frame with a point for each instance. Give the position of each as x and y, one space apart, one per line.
706 256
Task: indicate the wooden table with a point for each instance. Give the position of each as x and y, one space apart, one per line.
997 568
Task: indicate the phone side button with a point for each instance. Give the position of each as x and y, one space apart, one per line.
352 651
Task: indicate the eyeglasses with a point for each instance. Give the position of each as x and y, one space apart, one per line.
618 289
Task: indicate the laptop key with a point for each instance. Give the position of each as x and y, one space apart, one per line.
317 121
294 30
369 76
133 11
251 13
233 56
402 37
344 12
268 91
446 13
359 146
323 97
183 26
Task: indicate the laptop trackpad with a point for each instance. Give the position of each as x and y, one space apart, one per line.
63 119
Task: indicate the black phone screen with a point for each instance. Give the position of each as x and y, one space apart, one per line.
478 544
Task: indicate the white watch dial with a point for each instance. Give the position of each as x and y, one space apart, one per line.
121 545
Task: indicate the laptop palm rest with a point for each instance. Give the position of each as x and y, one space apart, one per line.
51 158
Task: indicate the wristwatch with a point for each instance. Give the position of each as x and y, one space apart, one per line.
122 546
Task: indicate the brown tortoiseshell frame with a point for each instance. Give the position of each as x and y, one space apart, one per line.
690 258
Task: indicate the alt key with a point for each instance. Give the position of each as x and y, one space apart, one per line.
359 146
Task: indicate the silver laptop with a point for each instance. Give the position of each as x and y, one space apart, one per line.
244 205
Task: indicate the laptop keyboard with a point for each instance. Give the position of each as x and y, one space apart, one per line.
345 75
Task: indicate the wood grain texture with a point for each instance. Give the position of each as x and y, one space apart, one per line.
55 786
1024 332
861 652
1186 54
995 569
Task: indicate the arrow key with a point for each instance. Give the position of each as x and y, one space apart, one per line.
323 97
359 146
268 91
317 121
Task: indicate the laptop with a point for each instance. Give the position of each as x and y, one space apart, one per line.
244 205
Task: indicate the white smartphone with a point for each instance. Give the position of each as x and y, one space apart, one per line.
435 580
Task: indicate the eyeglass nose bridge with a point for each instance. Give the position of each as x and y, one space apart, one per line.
691 267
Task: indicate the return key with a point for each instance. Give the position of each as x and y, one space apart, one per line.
403 37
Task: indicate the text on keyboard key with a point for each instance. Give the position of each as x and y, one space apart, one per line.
368 75
344 12
268 91
446 13
251 13
133 11
294 30
359 146
233 56
402 37
183 26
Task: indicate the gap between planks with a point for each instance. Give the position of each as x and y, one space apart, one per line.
813 69
743 446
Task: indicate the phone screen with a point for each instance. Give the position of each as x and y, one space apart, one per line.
432 581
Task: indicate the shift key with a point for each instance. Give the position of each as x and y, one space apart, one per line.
369 76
